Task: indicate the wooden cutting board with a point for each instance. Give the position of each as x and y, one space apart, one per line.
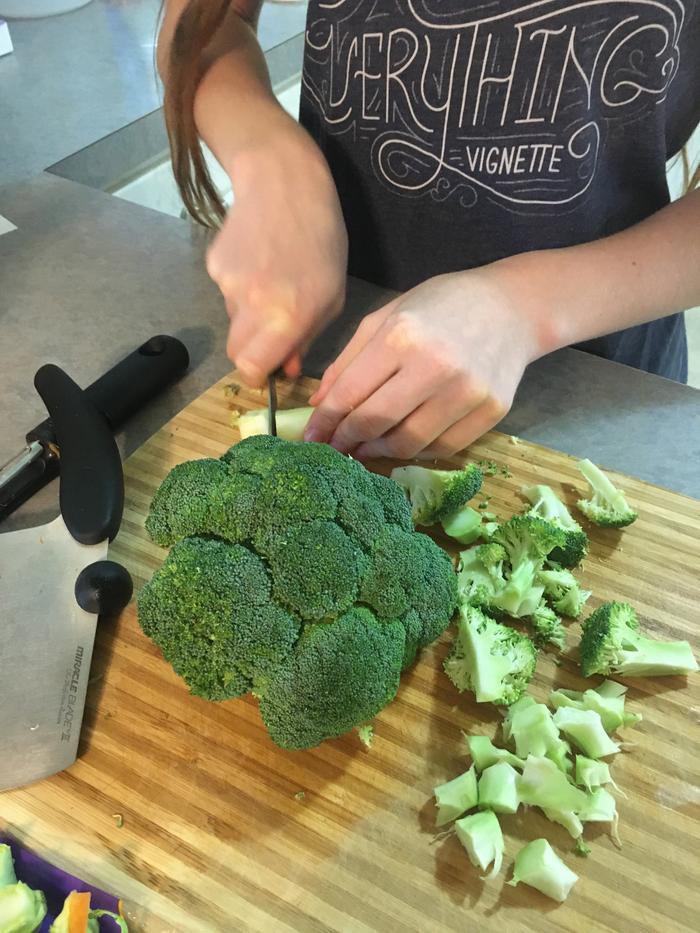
216 835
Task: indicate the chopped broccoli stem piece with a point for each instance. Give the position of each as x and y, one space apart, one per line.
366 734
435 494
7 866
547 627
481 836
581 849
533 730
546 504
22 909
498 788
538 865
492 660
591 773
566 818
585 728
563 591
543 785
456 797
484 753
607 505
611 643
600 807
611 709
290 423
464 525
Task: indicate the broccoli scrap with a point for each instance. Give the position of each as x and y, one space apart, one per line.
581 849
547 505
611 643
366 735
607 505
437 494
492 660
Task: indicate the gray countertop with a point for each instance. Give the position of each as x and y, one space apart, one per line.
75 78
87 277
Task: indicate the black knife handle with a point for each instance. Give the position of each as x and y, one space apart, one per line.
130 384
92 482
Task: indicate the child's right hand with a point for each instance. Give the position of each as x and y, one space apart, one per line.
280 257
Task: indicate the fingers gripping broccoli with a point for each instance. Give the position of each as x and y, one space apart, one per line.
611 643
546 505
437 494
296 575
607 505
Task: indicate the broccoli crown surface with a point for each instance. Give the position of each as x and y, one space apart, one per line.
297 575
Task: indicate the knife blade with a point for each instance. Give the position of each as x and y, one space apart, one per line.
46 639
118 394
272 404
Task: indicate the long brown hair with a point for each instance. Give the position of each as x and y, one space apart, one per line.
182 71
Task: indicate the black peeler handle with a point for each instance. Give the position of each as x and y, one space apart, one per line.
92 481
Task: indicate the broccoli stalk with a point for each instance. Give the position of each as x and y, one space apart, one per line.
607 505
463 525
532 728
543 785
608 700
585 728
437 494
290 423
538 865
591 774
481 836
600 807
611 643
498 788
494 661
484 753
456 797
546 505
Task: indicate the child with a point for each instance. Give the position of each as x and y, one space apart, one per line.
500 164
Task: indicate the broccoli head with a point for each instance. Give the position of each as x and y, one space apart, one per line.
607 505
611 643
437 494
296 575
546 505
494 661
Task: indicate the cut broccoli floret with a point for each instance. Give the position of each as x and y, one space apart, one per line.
481 836
600 807
543 785
498 788
464 525
484 753
607 505
538 865
435 494
611 643
480 574
22 910
547 505
563 591
585 729
608 700
527 541
492 660
456 797
547 627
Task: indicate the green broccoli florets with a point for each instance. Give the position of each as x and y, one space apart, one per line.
611 643
527 541
292 569
478 580
547 626
546 504
494 661
607 505
562 589
436 494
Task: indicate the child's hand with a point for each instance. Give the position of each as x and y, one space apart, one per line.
430 372
280 258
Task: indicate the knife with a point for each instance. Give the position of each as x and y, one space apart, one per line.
119 393
272 403
53 579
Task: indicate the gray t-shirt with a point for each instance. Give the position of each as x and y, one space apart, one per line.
462 132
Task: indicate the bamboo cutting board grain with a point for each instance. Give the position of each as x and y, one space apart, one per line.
224 832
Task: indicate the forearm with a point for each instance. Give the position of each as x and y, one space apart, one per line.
646 272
